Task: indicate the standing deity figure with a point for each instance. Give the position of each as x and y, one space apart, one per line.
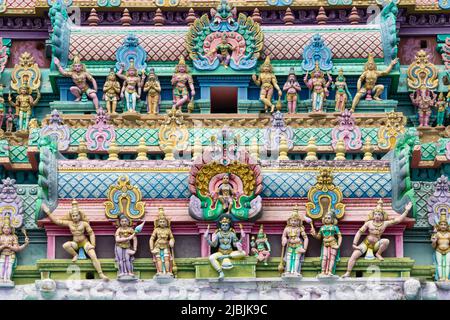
181 79
9 246
370 77
132 85
292 88
2 106
225 193
375 227
80 77
294 243
342 93
319 87
440 241
126 246
260 247
424 100
162 244
331 238
268 82
79 227
225 240
223 51
153 89
441 106
111 92
9 119
24 104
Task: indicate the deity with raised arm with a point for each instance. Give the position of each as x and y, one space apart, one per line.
132 85
9 246
292 89
153 89
223 51
162 244
126 246
268 82
319 88
181 81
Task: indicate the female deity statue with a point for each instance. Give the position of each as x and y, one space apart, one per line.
331 238
294 243
111 92
375 227
223 51
124 249
292 88
225 240
370 77
9 246
440 241
79 227
24 104
342 93
132 85
2 106
441 106
80 77
162 243
153 89
319 87
268 82
225 193
424 100
260 247
180 80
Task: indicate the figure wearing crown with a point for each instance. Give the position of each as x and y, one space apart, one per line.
132 86
375 227
24 105
181 80
111 92
260 247
319 87
162 244
223 51
369 77
440 241
342 93
153 89
80 78
441 108
225 240
125 248
268 83
83 235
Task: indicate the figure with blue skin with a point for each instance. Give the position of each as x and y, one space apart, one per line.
132 86
225 240
319 87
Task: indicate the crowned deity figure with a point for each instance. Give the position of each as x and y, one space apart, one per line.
375 227
24 104
80 78
260 246
2 105
225 193
331 238
370 77
126 247
440 241
319 87
268 82
225 240
132 85
162 244
83 235
424 99
223 51
292 88
111 92
153 89
181 80
342 93
9 246
441 106
294 243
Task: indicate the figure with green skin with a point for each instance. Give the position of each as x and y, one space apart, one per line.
441 106
260 247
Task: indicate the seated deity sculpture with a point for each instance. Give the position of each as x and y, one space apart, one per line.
260 246
225 193
375 227
223 51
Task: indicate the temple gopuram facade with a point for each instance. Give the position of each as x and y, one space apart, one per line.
193 149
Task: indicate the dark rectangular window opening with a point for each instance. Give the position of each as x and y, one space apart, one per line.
224 100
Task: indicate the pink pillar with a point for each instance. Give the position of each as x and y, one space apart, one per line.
51 247
399 245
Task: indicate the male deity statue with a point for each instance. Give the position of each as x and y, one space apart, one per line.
268 82
80 77
441 106
331 238
153 89
260 247
342 93
24 104
162 243
424 100
370 77
9 246
440 241
225 240
319 87
224 51
132 85
83 235
111 92
292 88
126 247
294 243
375 227
225 193
181 80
